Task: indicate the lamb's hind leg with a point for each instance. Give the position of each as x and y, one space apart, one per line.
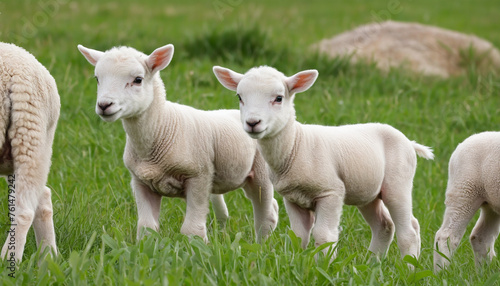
220 208
31 198
396 196
484 234
25 201
379 219
43 223
265 209
460 208
259 190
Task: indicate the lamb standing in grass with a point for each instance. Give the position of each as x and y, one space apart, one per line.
29 111
317 169
175 150
473 183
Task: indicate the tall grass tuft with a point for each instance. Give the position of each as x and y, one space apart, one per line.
233 44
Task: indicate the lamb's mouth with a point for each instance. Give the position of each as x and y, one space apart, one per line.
257 134
109 116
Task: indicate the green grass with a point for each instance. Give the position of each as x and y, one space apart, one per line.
94 210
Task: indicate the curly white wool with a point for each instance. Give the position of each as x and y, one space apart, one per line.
29 111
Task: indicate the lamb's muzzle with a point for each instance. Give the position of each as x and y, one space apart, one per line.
103 106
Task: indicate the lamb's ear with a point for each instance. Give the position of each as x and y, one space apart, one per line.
228 78
91 55
301 81
160 58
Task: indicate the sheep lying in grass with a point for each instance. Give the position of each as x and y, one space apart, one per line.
29 111
175 150
473 183
317 169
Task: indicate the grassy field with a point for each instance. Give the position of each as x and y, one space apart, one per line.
94 209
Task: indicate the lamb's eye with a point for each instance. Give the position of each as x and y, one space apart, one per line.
278 99
97 79
239 97
138 80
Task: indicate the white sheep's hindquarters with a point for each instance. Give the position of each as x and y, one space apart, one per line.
317 169
175 150
473 184
29 111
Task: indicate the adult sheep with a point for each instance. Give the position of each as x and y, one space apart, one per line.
175 150
473 184
29 111
317 169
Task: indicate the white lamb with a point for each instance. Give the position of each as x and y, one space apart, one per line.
29 110
473 183
175 150
317 169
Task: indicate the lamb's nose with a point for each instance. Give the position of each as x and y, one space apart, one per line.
253 123
104 105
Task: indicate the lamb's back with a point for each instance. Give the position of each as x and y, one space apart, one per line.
353 158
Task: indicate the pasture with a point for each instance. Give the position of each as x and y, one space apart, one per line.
94 210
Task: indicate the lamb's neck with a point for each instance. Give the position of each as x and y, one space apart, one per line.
279 150
157 121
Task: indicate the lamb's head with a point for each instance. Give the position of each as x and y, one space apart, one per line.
125 79
266 97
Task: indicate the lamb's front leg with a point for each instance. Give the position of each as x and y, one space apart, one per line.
148 207
328 211
301 221
197 207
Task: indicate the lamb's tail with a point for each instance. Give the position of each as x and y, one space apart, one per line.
423 151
